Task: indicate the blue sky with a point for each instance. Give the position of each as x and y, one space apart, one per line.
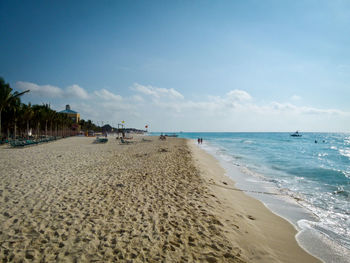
184 65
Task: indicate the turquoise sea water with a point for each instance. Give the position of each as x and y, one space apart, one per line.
315 174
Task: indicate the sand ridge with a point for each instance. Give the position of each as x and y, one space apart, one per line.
75 201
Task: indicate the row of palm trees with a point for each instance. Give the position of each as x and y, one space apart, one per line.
22 120
89 126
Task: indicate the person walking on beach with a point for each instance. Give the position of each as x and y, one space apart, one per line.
199 140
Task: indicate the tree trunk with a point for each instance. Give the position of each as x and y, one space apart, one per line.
0 125
46 128
27 129
37 130
15 129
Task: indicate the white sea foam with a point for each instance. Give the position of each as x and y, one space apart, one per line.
345 152
332 229
320 244
334 148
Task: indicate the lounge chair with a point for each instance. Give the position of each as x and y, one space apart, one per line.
101 140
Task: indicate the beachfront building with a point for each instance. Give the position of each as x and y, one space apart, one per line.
75 116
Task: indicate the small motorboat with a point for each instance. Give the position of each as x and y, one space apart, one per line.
296 134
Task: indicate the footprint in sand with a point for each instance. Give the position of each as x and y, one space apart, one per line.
251 217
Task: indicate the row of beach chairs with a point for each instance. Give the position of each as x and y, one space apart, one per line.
4 141
23 143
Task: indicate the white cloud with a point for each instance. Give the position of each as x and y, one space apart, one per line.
76 91
107 95
44 91
310 110
239 95
157 92
49 91
145 90
235 101
138 98
167 109
282 107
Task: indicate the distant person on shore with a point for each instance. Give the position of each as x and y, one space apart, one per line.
199 140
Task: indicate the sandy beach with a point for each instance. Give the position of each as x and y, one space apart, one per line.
147 201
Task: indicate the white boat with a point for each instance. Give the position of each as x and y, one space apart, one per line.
296 134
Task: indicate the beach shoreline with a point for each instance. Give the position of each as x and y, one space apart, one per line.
281 201
264 231
147 200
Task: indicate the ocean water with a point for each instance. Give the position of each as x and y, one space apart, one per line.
310 181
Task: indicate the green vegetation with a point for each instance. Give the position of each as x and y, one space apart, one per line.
89 126
20 120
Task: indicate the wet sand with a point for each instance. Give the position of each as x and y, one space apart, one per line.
147 201
262 236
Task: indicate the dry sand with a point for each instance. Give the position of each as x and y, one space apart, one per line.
75 201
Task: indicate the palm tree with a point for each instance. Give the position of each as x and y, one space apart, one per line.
45 115
28 114
6 96
68 124
37 118
55 121
52 117
15 105
82 124
62 120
